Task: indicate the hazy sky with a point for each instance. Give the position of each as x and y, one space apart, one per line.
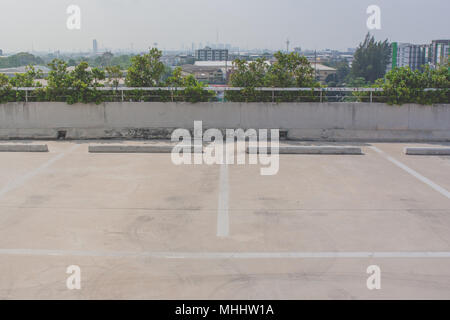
313 24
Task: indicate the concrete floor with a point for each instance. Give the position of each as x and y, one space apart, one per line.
140 227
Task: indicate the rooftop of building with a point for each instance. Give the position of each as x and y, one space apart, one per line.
321 67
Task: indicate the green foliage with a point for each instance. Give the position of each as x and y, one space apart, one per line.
193 90
77 86
176 79
145 70
371 59
6 94
402 85
27 79
108 60
104 60
358 82
114 75
123 61
19 60
341 76
81 79
248 75
290 70
80 85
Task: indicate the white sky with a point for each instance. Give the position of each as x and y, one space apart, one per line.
312 24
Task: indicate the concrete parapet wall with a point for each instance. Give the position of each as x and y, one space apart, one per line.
302 121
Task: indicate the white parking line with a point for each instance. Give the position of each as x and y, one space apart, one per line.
231 255
223 219
23 179
413 173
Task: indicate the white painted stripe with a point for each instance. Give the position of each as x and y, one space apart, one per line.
231 255
413 173
223 220
23 179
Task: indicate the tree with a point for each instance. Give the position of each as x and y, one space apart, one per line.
371 59
193 90
97 76
114 75
176 79
27 79
82 78
71 63
145 70
6 94
76 86
290 70
104 60
58 76
402 85
20 59
4 80
123 61
247 75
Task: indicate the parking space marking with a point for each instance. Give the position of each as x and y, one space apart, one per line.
23 179
231 255
223 219
413 173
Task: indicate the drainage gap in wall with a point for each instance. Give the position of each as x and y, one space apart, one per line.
62 134
283 134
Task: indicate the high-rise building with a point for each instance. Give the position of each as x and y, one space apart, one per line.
208 54
415 56
94 46
1 52
439 52
409 55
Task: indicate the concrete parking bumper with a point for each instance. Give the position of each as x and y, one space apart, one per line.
428 151
132 149
312 150
23 148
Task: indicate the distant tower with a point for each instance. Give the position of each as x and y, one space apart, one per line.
287 45
94 46
155 44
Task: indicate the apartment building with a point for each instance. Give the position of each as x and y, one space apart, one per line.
208 54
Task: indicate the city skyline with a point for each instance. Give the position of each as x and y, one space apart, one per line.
135 24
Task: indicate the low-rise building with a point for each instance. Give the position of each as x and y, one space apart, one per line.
205 74
11 72
321 71
208 54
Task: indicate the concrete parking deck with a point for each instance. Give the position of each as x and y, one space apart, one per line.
139 226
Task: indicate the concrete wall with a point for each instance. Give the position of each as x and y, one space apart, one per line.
305 121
